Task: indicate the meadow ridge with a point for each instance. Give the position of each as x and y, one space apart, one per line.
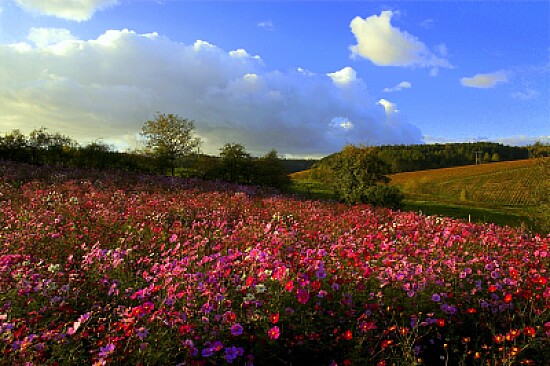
108 268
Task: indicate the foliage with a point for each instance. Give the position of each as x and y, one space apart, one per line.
383 196
409 158
42 147
356 171
235 163
269 171
119 269
169 137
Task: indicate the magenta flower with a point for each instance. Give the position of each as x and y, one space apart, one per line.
274 333
303 296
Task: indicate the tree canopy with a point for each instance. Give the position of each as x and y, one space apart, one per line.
169 137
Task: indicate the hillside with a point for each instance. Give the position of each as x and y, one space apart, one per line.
505 192
506 183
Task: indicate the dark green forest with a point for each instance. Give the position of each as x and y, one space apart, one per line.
409 158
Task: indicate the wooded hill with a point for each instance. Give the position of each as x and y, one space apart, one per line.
409 158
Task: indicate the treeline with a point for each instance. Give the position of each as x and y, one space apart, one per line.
408 158
234 163
44 148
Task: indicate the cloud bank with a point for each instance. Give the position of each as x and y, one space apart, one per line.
76 10
485 81
109 86
385 45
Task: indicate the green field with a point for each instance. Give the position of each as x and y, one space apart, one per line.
504 193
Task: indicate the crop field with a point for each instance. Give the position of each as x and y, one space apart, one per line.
508 183
110 269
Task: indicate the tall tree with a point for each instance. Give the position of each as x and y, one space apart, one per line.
236 163
270 172
169 137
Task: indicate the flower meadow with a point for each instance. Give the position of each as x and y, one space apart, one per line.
107 268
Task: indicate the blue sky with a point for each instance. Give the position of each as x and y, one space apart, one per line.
304 77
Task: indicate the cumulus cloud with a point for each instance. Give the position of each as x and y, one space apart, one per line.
42 37
389 107
385 45
77 10
485 81
343 77
109 86
402 85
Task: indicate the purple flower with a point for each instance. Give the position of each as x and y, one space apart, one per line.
207 352
231 353
436 297
106 351
236 329
142 333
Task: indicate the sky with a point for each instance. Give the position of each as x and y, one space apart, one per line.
302 77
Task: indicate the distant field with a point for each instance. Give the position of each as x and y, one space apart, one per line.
503 192
505 183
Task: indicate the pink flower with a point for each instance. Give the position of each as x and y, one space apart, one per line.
274 333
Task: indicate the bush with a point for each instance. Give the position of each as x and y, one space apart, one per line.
385 196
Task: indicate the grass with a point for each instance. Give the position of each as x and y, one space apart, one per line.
503 193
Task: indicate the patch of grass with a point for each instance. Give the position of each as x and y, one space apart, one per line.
471 213
311 189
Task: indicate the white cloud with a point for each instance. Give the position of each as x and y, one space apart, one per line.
485 81
77 10
523 140
385 45
267 24
402 85
343 77
341 122
389 107
109 86
43 37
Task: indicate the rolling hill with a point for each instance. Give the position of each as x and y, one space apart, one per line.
505 193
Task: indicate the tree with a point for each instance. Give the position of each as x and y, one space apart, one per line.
169 137
38 142
356 170
236 163
13 146
270 172
59 148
